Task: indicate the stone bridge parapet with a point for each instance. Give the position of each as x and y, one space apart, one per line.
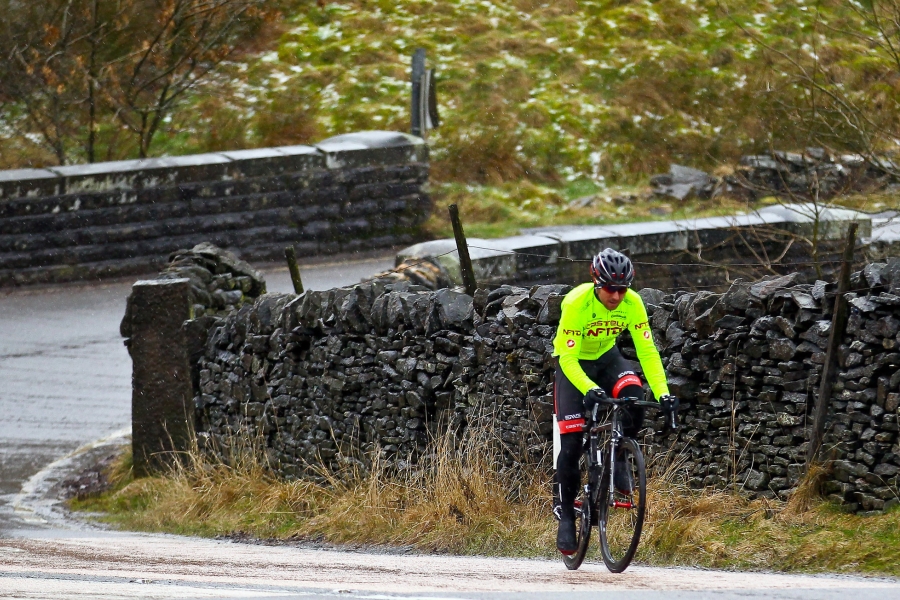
351 192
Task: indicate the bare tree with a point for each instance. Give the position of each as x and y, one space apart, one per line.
69 66
40 77
175 45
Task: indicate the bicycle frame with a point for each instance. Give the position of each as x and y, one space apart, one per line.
614 427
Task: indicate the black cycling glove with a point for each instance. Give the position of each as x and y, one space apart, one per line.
670 409
594 397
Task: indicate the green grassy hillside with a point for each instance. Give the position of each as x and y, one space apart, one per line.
552 92
542 102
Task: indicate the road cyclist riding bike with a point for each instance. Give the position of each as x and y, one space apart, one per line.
591 372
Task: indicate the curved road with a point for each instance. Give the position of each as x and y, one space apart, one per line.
65 376
66 381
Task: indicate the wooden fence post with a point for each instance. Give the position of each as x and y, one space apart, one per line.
835 337
465 263
291 255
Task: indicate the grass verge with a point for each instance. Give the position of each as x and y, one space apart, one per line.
491 211
458 501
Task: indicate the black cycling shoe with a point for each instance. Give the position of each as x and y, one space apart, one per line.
622 477
566 541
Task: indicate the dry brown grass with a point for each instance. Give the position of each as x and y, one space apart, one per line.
457 499
460 500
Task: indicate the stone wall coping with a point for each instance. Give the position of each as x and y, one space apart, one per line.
577 233
22 175
366 148
641 238
371 139
805 212
158 282
25 183
142 173
433 248
142 164
298 150
519 242
889 232
342 146
535 250
253 153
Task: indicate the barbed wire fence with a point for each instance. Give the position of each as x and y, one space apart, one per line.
431 263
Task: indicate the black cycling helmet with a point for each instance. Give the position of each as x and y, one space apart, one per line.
611 267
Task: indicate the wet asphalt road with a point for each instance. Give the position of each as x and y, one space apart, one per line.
56 565
65 377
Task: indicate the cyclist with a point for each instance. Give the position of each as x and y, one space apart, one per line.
589 366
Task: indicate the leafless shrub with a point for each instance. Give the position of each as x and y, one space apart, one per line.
73 69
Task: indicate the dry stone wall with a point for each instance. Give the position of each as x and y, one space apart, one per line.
330 376
749 362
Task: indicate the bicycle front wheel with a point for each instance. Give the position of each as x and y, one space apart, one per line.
583 512
622 513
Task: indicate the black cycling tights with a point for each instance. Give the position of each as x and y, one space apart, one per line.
568 475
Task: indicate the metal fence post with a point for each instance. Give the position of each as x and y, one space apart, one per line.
418 70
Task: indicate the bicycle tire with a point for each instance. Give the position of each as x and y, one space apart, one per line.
620 529
583 517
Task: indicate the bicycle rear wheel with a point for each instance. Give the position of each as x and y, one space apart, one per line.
621 521
583 512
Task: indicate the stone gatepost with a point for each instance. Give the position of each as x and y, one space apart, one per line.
161 410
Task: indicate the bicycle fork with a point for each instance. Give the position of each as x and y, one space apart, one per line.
615 439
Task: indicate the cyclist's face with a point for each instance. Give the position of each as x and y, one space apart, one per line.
611 300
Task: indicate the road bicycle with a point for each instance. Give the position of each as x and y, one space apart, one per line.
617 513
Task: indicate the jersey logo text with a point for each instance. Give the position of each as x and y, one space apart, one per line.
598 331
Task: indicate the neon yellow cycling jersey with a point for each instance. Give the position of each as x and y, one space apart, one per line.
587 330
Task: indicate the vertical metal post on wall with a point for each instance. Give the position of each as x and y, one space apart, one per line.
462 247
423 107
418 71
835 337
